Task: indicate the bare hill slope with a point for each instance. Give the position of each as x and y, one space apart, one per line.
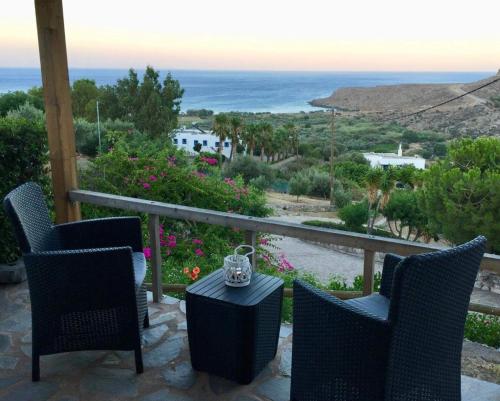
472 114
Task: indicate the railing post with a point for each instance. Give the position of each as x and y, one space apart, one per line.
154 240
368 272
251 239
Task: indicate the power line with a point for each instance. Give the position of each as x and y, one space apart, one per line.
442 103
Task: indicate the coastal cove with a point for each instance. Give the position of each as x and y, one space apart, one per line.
249 91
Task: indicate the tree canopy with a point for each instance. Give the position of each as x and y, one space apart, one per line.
461 194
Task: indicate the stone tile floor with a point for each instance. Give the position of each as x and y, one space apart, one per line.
168 376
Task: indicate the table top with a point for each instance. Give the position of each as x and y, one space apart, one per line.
214 287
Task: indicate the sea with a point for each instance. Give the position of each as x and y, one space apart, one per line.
249 91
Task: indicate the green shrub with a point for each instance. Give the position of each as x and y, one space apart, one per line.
299 185
354 215
23 151
484 329
86 138
249 168
319 183
166 176
343 227
342 197
260 182
28 112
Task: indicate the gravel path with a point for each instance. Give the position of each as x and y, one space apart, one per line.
319 260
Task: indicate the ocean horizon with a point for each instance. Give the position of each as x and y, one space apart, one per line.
249 91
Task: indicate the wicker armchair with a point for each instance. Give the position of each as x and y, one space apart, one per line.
403 344
85 279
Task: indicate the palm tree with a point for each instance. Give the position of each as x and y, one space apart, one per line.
265 133
236 128
221 128
249 135
293 135
373 179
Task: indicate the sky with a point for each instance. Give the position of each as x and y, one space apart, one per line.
323 35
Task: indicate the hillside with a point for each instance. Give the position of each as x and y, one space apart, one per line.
472 114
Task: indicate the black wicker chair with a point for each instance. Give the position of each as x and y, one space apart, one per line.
85 279
403 344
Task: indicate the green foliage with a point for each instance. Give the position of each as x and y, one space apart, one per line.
152 106
461 194
23 151
352 171
342 196
299 185
319 183
14 100
249 168
404 215
28 112
165 175
84 95
202 113
484 329
343 227
354 215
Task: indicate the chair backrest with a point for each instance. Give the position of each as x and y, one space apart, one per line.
29 216
429 302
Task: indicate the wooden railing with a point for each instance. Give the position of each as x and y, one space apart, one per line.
252 225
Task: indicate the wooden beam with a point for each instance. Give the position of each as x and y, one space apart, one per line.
58 113
368 271
154 241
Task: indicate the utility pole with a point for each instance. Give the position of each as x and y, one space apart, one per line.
332 152
98 127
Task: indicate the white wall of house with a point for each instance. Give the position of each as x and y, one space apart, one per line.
392 159
187 138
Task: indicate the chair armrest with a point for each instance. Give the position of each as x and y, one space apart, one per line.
390 262
83 279
101 233
337 348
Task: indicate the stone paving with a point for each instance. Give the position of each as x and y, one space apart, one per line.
168 375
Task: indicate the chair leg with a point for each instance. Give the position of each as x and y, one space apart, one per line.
146 321
35 368
138 360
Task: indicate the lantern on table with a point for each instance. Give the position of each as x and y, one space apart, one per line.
237 268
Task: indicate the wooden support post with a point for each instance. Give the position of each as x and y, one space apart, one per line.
58 113
251 239
368 272
154 239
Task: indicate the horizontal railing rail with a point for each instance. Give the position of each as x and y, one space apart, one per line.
252 225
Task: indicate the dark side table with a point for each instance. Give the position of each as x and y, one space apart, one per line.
233 332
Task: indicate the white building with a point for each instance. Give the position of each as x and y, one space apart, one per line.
385 160
187 138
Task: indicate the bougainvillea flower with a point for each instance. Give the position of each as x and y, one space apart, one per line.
147 253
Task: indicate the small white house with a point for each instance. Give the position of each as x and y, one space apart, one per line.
385 160
187 138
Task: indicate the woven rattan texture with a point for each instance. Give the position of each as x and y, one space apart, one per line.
83 291
344 353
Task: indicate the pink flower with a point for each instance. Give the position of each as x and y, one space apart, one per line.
197 241
146 185
229 181
153 178
266 258
171 161
237 197
171 237
147 253
199 252
172 244
264 241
